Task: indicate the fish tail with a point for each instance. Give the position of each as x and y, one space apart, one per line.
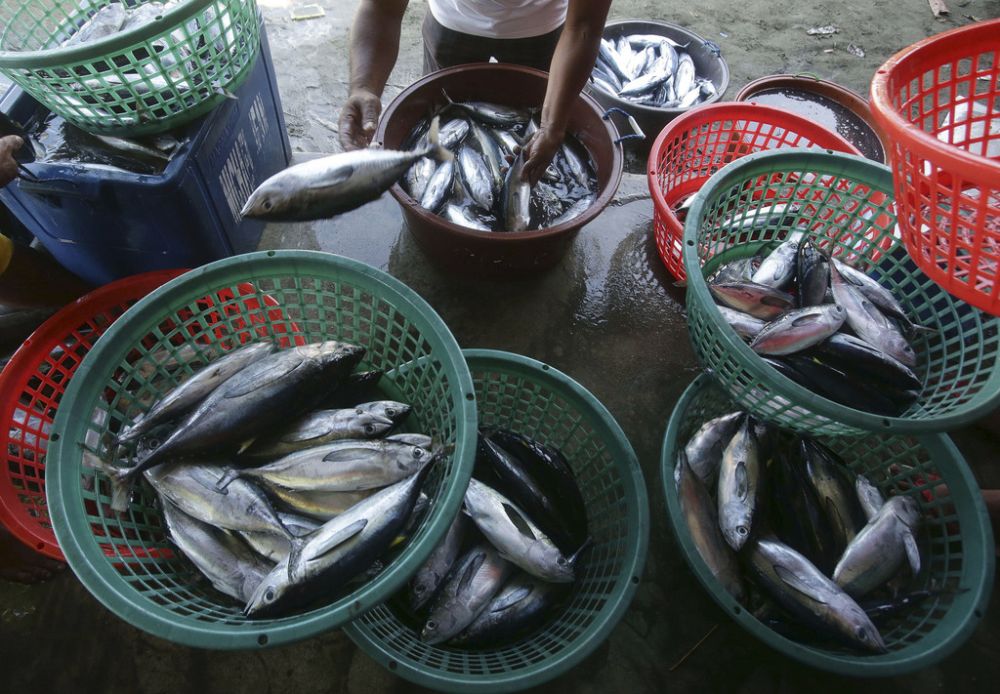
437 151
120 478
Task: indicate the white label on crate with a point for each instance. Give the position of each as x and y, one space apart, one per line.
258 122
237 176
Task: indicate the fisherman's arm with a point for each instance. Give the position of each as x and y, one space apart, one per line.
374 46
571 65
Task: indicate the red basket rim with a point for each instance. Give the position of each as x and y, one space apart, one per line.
24 363
898 128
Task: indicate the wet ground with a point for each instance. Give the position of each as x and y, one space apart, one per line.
608 315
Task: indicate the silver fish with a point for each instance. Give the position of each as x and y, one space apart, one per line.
106 21
507 140
835 494
803 590
439 187
519 606
432 573
868 322
872 290
613 60
739 486
492 155
684 76
188 394
462 216
778 269
328 186
574 210
491 114
744 324
516 197
453 133
799 329
518 539
737 270
419 176
704 449
575 165
319 505
703 527
881 548
479 576
756 299
689 99
869 496
476 177
221 557
273 546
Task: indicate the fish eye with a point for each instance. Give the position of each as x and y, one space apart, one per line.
266 203
418 452
431 624
153 443
742 530
390 412
561 561
419 588
862 634
269 595
369 429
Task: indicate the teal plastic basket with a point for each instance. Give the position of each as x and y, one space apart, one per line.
289 297
956 542
533 398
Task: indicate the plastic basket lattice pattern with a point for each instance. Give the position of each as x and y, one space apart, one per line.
532 398
843 203
150 77
955 541
700 142
289 297
938 103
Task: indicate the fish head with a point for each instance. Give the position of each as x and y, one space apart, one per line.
389 409
861 628
267 596
332 352
438 626
370 425
556 568
422 587
906 510
735 524
274 199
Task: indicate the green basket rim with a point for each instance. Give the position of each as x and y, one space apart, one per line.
55 57
973 602
538 673
835 163
65 500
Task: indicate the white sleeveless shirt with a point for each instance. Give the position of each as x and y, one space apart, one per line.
500 19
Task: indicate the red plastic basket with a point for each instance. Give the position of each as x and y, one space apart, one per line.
31 386
697 144
938 105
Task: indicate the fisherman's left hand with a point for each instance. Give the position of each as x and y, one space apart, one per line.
540 150
8 165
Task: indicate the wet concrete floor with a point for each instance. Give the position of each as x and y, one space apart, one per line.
607 314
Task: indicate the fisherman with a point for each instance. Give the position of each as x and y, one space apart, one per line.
28 278
560 36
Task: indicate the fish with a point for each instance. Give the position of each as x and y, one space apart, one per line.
684 75
490 114
418 176
644 40
868 323
837 385
492 156
464 217
351 465
803 590
273 546
189 393
877 552
328 186
432 573
798 329
507 140
439 187
520 607
745 325
515 197
869 497
797 512
812 274
644 83
610 57
777 270
359 387
702 522
704 449
338 550
853 354
318 505
453 133
755 299
518 540
573 211
576 166
108 20
736 271
761 217
475 177
478 576
837 498
873 291
739 486
366 421
230 565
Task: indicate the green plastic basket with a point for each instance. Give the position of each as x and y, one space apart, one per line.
956 543
845 204
146 79
290 297
539 401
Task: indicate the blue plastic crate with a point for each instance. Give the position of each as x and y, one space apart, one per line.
105 224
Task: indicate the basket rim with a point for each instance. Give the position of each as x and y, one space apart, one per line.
870 173
649 110
64 492
899 130
538 673
24 362
93 50
569 227
974 600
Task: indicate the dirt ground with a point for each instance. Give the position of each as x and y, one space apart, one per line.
608 315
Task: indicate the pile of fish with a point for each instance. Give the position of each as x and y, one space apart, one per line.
506 562
276 498
810 547
823 324
650 70
175 57
479 190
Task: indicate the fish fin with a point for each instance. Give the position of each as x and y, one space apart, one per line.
912 551
245 445
338 538
796 583
519 521
511 599
470 572
121 480
228 478
342 174
436 150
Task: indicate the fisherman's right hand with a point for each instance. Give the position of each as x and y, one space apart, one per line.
358 119
8 165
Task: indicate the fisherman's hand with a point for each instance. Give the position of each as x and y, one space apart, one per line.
8 165
540 150
358 119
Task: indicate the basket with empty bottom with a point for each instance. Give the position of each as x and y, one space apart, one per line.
288 298
536 400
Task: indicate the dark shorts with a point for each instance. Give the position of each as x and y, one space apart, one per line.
444 48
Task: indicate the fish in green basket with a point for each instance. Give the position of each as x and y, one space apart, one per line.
849 353
777 270
828 477
798 329
739 486
704 449
521 606
320 505
274 546
868 322
328 186
758 300
432 573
